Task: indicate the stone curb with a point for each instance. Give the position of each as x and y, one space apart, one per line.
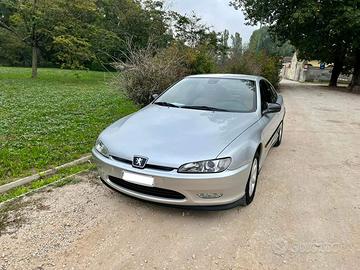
37 176
41 188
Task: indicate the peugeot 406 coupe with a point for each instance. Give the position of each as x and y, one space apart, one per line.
200 144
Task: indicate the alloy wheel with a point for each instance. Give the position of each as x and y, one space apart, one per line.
253 177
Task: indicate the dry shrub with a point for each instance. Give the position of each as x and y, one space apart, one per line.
149 71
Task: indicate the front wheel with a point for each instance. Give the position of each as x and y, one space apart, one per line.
252 182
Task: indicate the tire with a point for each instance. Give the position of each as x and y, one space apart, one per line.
280 133
250 189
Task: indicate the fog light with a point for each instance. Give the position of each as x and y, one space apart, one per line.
210 195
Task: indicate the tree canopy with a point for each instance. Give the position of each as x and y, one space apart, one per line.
261 40
327 30
79 33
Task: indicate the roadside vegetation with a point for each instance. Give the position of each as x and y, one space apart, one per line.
54 119
197 50
328 31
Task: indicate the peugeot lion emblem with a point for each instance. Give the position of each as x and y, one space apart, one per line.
139 162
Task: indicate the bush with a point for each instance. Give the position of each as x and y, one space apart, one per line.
151 71
270 68
198 60
148 71
252 63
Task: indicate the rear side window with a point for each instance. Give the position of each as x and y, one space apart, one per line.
266 94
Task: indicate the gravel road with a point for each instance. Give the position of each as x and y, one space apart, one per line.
306 214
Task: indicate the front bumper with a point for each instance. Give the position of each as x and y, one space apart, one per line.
230 183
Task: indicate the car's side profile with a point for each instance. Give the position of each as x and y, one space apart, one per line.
199 144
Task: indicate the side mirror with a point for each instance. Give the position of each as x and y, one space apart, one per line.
153 97
272 108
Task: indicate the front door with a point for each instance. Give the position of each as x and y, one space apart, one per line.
268 121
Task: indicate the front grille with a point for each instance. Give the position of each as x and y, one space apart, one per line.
147 166
160 168
153 191
123 160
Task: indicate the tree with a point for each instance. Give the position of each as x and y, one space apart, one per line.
189 30
57 26
349 22
323 30
223 46
72 39
13 51
25 21
236 47
158 22
141 22
82 33
261 40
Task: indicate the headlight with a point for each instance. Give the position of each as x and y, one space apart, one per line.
101 148
206 166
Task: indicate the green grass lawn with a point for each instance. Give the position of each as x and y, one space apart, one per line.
53 119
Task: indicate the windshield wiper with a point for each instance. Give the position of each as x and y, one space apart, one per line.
206 108
167 104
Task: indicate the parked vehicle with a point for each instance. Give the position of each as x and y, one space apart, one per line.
201 143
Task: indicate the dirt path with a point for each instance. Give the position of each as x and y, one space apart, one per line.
306 214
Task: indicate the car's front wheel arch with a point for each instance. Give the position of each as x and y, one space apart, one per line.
259 151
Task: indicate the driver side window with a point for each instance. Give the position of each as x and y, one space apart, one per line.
274 95
266 95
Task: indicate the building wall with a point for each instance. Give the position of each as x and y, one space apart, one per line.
299 71
313 74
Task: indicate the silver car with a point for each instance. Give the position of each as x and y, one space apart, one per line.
200 144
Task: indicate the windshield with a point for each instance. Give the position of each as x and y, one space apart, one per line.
237 95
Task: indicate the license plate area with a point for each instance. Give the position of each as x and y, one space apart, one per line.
138 179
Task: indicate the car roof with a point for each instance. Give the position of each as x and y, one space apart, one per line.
227 76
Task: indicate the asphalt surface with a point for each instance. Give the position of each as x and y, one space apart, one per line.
306 213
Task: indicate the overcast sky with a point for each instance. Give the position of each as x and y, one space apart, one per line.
216 13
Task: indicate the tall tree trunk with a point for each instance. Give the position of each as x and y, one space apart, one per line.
338 68
34 61
355 82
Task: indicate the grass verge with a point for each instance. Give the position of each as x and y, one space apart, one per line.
54 119
63 173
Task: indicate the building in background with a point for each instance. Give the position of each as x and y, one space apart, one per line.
308 71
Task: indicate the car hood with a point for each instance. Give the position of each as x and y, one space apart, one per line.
174 136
